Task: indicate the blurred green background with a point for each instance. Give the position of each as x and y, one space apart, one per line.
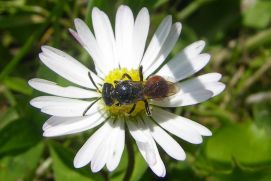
238 36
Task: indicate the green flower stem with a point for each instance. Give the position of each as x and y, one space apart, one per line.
131 159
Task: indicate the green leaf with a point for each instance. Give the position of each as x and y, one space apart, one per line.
241 173
21 166
18 84
245 142
8 116
18 135
63 166
258 15
262 115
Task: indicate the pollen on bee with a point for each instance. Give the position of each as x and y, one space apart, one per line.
116 75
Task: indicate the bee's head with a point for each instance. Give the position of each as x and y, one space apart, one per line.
107 94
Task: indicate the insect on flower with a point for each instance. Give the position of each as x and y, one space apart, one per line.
126 92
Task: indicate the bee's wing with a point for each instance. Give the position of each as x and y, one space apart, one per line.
172 88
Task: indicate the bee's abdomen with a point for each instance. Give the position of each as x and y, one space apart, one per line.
156 87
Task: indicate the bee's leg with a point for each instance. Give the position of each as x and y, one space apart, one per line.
86 110
116 82
141 73
132 110
92 81
117 104
147 108
126 75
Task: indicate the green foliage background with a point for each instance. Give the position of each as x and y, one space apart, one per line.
238 36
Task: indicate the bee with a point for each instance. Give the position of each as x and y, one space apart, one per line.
129 92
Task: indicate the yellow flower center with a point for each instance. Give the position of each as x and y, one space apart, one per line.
116 75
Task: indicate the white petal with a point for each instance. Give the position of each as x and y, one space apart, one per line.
158 166
105 37
215 87
171 147
54 89
210 77
179 122
63 107
157 42
62 126
167 121
182 122
103 151
85 154
100 157
200 82
124 35
184 99
136 131
90 44
143 140
148 151
56 121
206 81
68 110
117 145
140 34
194 49
166 48
45 101
76 36
181 66
67 67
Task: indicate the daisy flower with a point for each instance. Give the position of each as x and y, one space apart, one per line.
120 56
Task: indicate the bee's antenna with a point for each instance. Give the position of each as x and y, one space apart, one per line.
86 110
92 81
